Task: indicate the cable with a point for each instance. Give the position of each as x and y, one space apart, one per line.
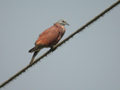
62 42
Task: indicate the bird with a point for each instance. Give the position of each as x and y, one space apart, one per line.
49 37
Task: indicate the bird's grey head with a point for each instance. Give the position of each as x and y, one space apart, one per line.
62 22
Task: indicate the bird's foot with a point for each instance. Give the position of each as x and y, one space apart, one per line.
52 48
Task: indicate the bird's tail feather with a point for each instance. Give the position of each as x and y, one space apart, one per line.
36 48
33 57
32 49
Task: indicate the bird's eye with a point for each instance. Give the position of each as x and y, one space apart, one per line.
63 21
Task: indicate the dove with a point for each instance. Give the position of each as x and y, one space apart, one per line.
49 37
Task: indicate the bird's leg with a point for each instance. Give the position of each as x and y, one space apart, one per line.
52 48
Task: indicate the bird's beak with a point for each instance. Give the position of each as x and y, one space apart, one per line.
67 24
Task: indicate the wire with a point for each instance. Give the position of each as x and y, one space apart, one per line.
58 45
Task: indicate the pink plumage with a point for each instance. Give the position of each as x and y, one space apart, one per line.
49 37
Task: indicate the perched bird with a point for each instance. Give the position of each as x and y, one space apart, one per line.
49 37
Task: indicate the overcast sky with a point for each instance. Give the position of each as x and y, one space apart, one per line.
88 61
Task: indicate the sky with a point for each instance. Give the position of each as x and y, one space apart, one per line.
88 61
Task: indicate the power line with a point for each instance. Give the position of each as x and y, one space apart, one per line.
55 47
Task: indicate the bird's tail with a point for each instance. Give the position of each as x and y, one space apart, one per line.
32 49
36 48
33 57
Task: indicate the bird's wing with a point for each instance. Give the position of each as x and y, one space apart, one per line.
49 36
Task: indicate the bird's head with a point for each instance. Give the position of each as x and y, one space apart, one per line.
62 22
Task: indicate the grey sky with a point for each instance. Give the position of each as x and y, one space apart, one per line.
89 61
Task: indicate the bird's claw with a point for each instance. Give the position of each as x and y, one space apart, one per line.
52 48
